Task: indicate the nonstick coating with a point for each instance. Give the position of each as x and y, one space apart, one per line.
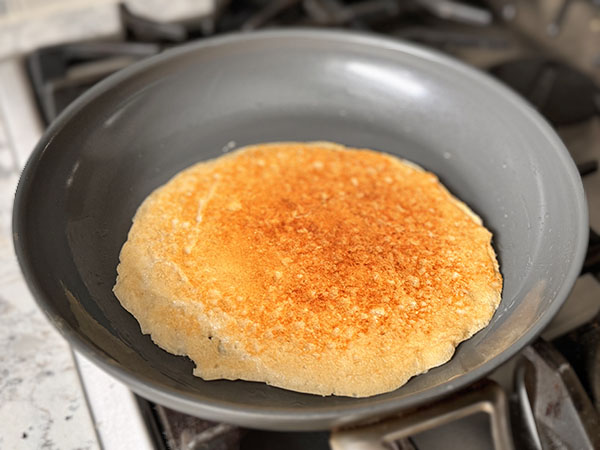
136 129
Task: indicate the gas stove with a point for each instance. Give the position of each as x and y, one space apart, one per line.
549 52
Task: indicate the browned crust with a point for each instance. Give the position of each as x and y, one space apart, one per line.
309 266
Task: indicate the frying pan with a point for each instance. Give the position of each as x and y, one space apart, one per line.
136 129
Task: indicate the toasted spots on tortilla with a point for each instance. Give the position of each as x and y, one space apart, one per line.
316 267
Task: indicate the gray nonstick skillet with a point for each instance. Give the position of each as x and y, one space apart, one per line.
136 129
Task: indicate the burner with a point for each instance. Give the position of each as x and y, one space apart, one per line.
561 94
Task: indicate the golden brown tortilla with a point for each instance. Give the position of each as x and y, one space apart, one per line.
309 266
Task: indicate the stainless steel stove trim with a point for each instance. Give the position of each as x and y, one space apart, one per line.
116 415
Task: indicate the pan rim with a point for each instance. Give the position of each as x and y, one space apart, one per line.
306 417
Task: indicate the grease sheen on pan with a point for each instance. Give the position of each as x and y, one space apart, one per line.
309 266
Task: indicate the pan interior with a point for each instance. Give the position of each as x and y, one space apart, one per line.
139 128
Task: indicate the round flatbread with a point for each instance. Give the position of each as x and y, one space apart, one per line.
309 266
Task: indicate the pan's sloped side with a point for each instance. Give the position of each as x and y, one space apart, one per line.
136 129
